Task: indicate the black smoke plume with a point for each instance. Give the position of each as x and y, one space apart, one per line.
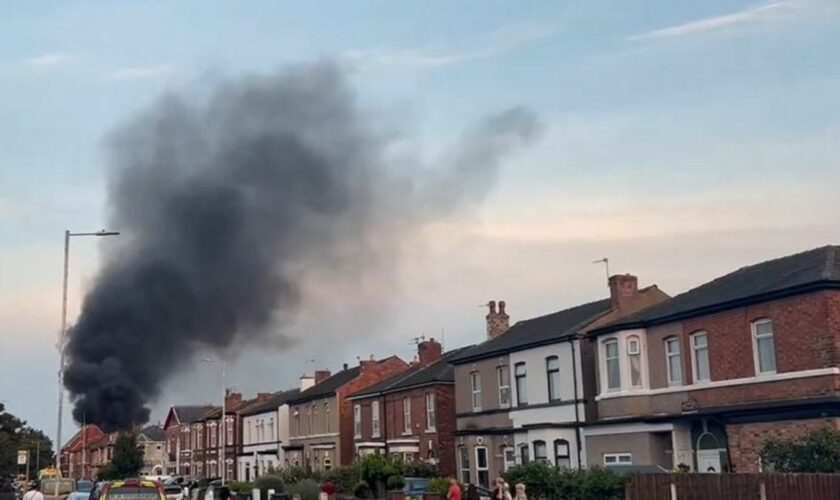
225 200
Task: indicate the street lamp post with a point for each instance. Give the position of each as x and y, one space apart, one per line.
62 338
222 422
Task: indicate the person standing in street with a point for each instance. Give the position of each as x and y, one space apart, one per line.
33 493
454 492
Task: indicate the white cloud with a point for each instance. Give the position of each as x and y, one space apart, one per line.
48 60
424 59
141 73
761 14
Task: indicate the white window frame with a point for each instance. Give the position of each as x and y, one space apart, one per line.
508 457
694 358
568 456
375 430
357 421
756 354
327 421
464 464
524 377
553 387
475 388
537 457
486 468
502 386
406 415
637 353
606 343
668 355
618 459
431 414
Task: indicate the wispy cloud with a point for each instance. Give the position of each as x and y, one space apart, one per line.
141 73
48 60
426 58
766 13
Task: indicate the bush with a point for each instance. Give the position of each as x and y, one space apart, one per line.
361 490
308 489
344 478
818 451
439 485
270 482
544 481
418 468
396 483
240 487
294 475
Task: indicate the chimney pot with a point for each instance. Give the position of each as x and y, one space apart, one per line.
497 322
345 366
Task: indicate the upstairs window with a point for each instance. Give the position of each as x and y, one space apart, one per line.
327 423
552 368
700 357
357 421
374 410
764 346
634 359
612 364
521 375
503 375
430 411
673 358
475 386
406 416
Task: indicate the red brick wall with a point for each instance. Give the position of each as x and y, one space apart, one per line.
371 374
746 440
806 331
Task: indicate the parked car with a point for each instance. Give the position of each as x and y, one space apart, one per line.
173 491
82 491
133 489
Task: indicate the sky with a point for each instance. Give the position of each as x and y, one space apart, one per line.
682 140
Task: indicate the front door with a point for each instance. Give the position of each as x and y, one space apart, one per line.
708 461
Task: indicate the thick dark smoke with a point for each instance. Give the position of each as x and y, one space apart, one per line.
225 201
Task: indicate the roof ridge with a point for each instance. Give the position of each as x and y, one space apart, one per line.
591 302
828 270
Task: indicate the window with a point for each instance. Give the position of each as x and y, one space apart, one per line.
464 464
634 358
552 368
297 422
503 375
618 459
212 433
520 373
509 456
540 453
374 410
271 429
482 466
406 416
673 358
357 421
613 370
229 433
561 454
700 357
430 411
764 347
523 454
310 417
475 384
315 418
327 423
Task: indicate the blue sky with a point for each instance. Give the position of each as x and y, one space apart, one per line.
683 140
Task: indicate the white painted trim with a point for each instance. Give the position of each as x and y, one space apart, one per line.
772 336
693 353
404 441
608 430
323 447
370 444
760 379
313 436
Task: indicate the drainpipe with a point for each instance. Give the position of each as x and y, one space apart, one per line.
383 419
577 412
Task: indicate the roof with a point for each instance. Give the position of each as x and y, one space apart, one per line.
90 433
190 414
773 279
538 331
277 400
435 373
328 386
154 433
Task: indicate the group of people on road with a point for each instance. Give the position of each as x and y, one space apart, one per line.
501 491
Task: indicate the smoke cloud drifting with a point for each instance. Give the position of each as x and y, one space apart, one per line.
225 201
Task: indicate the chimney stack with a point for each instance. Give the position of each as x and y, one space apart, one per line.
623 287
232 400
306 382
321 375
497 322
263 396
429 351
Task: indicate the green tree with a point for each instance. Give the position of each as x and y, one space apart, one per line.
127 461
817 451
16 435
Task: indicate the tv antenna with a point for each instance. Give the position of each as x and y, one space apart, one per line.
606 262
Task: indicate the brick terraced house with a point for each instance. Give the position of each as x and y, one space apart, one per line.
411 415
704 378
178 427
321 417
